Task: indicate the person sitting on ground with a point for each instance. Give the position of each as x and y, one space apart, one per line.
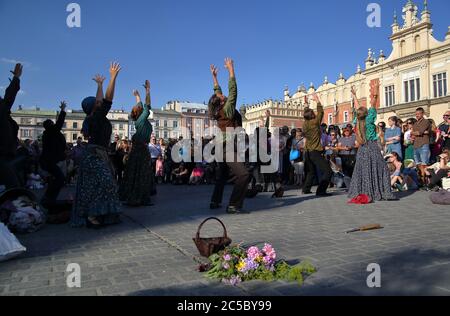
180 175
197 175
160 169
439 173
395 167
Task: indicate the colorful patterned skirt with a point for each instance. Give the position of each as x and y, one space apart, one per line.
371 175
96 190
137 183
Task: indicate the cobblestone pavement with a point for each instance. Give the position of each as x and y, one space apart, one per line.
152 252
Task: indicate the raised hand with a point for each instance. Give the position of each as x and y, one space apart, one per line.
136 93
99 79
147 85
17 72
214 70
374 87
63 106
114 69
353 91
229 64
268 113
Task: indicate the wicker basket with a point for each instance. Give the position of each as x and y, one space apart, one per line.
209 246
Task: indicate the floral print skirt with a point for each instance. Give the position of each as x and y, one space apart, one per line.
96 190
371 174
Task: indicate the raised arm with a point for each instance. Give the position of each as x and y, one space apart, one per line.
14 87
320 111
214 73
138 96
267 125
114 70
148 99
230 105
99 96
374 91
356 104
62 116
372 116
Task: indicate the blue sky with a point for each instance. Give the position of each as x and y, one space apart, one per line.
173 42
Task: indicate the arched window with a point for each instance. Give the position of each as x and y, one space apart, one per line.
402 48
417 43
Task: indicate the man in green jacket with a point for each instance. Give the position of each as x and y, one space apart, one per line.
314 158
223 110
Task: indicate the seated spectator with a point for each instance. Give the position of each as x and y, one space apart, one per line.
180 175
159 169
439 173
395 167
197 175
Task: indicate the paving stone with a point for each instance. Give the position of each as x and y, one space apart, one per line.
413 249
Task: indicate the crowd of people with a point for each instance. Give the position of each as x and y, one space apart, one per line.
362 157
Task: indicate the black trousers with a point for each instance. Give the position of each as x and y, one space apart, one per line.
348 164
315 160
241 181
56 182
436 178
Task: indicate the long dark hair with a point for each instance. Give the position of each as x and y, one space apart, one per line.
361 115
214 106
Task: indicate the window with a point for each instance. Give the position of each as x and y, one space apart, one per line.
440 85
25 133
402 48
74 136
121 127
417 43
330 119
389 95
412 90
25 121
165 135
157 123
346 117
65 125
157 134
165 124
75 125
175 124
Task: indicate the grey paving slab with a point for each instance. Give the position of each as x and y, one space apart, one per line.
151 252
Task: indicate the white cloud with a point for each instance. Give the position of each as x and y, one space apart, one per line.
14 61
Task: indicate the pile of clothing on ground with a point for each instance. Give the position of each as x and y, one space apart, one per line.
19 213
22 214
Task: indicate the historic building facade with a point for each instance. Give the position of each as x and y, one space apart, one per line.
414 75
194 120
31 121
282 114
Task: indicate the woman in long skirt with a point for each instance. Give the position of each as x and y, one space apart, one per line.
136 187
96 201
371 175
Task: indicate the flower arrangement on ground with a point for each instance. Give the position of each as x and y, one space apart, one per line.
236 264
